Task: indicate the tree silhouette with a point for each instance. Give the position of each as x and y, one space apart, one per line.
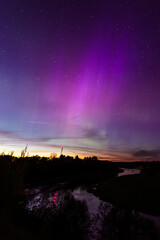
24 151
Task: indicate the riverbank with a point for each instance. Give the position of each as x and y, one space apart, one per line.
139 192
103 222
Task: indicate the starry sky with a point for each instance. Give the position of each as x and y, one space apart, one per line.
82 74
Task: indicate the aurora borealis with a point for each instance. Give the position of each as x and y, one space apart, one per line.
82 74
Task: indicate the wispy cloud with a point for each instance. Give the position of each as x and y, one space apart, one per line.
6 134
147 153
38 122
90 142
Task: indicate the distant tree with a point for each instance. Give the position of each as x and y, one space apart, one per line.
53 155
24 151
37 157
62 157
94 158
77 157
12 153
69 158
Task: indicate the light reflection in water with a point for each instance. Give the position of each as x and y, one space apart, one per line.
55 197
129 172
91 200
38 200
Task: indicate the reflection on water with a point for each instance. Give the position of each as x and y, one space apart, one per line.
39 198
127 171
91 200
44 196
50 203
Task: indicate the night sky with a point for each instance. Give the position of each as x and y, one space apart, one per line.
82 74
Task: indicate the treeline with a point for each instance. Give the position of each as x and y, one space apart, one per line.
44 170
151 168
15 172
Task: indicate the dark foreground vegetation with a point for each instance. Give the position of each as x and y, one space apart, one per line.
140 192
16 173
70 219
67 168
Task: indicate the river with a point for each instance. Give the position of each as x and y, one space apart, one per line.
39 197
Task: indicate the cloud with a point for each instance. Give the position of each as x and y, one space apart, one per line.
146 153
83 146
6 134
14 136
37 122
